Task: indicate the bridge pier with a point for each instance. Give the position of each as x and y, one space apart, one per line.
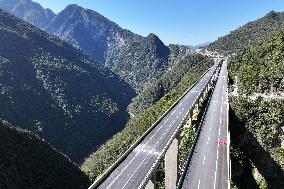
171 164
152 182
188 122
196 106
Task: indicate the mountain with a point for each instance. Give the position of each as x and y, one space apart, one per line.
28 162
51 88
29 11
257 114
139 62
134 58
158 88
191 69
88 30
249 34
195 47
260 68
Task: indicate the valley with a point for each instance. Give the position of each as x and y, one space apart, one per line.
80 96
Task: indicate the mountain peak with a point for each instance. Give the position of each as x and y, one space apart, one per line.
272 14
29 11
153 36
74 7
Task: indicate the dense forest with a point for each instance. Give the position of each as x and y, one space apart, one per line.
139 61
108 153
136 59
52 89
27 162
158 88
248 34
260 69
76 102
256 122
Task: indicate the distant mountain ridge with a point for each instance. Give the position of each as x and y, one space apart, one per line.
195 47
29 11
88 30
134 58
49 87
249 34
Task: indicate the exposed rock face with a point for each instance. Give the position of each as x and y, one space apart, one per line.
29 11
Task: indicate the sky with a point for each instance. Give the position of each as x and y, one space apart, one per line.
187 22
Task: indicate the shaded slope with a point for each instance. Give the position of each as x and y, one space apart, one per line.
257 124
51 88
135 58
27 162
108 153
155 90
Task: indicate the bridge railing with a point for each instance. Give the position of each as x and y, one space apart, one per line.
188 161
134 145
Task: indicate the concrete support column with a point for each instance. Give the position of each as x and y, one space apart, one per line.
152 182
200 100
196 106
171 165
188 122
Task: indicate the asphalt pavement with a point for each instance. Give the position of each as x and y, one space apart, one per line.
134 170
209 165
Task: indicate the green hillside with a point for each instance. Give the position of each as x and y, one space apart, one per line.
261 68
108 153
181 67
27 162
51 88
248 34
256 122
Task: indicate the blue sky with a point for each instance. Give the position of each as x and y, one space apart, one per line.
176 21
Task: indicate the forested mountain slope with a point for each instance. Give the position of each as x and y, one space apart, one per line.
182 79
27 162
49 87
136 59
257 125
249 34
158 88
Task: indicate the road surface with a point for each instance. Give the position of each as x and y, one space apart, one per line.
138 165
210 161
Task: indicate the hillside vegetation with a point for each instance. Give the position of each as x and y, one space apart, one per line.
249 34
49 87
108 153
27 162
260 69
155 90
136 59
257 125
